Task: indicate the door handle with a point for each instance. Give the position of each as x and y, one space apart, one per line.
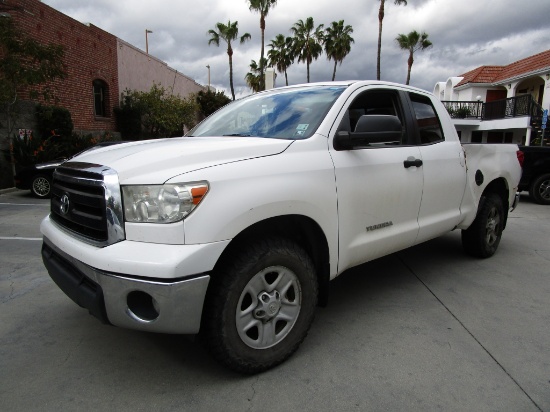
411 161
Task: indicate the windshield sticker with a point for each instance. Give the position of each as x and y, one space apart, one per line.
302 126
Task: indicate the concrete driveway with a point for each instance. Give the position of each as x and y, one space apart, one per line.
428 328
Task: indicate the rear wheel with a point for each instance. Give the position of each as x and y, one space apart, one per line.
481 239
540 190
259 309
41 186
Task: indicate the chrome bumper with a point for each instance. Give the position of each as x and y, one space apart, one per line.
151 305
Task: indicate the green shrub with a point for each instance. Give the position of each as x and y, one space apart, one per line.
210 101
29 150
53 120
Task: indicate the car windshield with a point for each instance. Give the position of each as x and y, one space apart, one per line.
293 113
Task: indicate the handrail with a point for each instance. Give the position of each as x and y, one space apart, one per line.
523 105
462 110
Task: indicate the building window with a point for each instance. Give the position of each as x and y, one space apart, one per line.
100 98
494 137
477 137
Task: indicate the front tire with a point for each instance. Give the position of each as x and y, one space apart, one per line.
482 238
540 190
260 307
41 186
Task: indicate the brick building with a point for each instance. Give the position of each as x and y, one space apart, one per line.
99 67
90 91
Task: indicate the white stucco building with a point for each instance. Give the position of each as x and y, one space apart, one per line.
138 70
500 104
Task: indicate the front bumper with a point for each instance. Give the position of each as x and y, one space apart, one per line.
154 305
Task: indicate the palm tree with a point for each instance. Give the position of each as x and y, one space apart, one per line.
254 77
262 7
280 56
380 18
338 43
413 42
228 33
307 42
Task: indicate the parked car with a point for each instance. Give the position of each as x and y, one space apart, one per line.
536 173
37 178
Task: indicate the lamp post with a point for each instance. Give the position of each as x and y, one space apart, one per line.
147 31
208 67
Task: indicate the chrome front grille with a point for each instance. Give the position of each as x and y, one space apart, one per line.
86 201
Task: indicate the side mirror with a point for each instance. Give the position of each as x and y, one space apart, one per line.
370 129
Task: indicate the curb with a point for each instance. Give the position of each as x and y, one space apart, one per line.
8 190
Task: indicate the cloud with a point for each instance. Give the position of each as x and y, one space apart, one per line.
465 33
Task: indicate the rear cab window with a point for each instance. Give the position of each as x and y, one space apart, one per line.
426 119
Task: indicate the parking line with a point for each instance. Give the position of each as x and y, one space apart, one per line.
25 204
19 238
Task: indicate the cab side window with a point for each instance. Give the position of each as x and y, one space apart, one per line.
374 102
427 122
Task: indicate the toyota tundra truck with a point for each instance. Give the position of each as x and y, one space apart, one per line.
234 231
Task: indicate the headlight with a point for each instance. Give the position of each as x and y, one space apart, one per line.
161 203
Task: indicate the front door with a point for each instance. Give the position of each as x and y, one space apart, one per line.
378 194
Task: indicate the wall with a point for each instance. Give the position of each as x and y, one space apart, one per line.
139 71
90 53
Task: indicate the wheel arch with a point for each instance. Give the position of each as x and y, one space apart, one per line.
501 188
300 229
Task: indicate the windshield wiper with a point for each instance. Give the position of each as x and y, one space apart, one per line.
237 134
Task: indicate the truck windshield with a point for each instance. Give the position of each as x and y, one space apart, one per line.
293 113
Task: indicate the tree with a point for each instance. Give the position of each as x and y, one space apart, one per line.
25 65
228 33
413 42
160 113
307 41
280 56
338 42
254 77
380 18
262 7
210 101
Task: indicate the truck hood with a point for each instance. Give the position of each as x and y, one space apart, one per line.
156 161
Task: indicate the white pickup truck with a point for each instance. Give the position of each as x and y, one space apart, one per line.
234 231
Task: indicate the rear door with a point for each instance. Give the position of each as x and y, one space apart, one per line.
444 171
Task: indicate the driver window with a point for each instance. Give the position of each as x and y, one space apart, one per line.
428 124
373 103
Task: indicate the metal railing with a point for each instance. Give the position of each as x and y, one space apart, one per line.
463 110
523 105
518 106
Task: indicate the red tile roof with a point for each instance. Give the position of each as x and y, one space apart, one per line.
495 74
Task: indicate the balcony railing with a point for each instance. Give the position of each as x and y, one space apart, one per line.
523 105
463 110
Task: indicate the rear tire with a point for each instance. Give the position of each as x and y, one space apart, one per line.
260 307
41 186
540 190
482 238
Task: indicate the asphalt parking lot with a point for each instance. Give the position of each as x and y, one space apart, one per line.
428 328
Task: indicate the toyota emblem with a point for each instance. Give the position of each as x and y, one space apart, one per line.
64 205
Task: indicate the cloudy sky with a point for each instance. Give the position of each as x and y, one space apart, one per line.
465 34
